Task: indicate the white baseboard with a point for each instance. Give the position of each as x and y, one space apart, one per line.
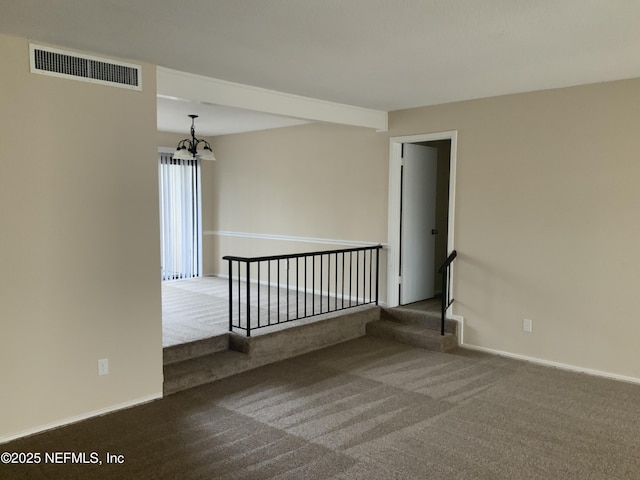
538 361
84 416
549 363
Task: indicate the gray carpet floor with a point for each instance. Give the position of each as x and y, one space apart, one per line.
366 409
198 308
193 309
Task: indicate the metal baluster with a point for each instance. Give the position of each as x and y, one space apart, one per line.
342 280
377 272
313 285
335 290
230 295
239 299
370 276
350 275
306 275
269 292
357 277
329 279
445 297
248 299
321 269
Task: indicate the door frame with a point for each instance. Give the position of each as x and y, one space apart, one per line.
395 192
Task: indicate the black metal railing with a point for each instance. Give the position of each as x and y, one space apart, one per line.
445 271
282 288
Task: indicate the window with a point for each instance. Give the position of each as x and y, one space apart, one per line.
180 224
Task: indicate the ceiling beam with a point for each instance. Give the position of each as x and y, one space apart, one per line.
197 88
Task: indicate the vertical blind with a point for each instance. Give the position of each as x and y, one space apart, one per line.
180 229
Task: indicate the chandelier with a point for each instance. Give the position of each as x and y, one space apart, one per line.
188 148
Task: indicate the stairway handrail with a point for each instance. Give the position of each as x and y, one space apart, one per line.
452 256
445 270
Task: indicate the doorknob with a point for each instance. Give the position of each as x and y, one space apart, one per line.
434 231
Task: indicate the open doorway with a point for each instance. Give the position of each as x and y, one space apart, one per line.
421 212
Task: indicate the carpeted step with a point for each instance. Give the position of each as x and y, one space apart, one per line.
191 373
428 319
188 366
198 348
415 335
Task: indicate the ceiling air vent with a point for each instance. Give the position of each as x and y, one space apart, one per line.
59 63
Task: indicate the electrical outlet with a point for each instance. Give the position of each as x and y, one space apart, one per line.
527 325
103 366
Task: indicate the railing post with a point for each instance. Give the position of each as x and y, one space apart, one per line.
248 299
269 292
335 288
239 294
320 284
230 295
445 270
350 275
377 272
445 300
357 277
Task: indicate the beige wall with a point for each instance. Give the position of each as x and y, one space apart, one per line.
546 195
79 246
546 226
312 181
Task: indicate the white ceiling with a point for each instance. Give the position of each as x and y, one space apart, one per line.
215 119
378 54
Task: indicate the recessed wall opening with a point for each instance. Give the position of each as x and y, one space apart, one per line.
421 212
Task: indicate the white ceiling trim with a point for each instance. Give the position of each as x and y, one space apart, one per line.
188 86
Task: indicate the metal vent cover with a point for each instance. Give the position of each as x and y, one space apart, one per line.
86 68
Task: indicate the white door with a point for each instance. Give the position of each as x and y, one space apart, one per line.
418 222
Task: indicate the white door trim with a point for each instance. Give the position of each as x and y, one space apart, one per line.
395 163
